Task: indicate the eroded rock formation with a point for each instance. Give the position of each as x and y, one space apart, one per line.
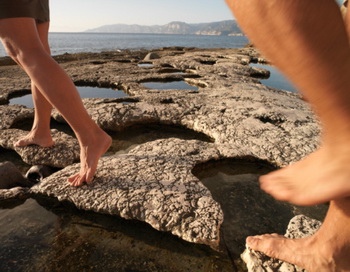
153 182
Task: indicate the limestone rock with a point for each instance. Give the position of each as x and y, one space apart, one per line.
151 56
299 227
154 182
11 177
14 193
9 114
64 152
159 190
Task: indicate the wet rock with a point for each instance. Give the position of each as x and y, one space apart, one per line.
88 241
11 177
64 152
299 227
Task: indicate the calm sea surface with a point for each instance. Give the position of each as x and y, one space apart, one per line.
97 42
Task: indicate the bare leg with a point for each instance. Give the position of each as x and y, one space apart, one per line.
22 41
326 251
307 40
40 133
347 19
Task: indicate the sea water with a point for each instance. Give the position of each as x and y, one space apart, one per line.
84 92
276 79
61 42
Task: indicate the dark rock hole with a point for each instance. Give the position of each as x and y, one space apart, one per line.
130 137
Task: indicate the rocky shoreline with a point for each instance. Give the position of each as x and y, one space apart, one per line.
154 182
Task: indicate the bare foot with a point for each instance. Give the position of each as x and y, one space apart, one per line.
327 250
320 177
309 253
90 153
35 138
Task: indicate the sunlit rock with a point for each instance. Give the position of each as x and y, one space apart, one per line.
10 114
299 227
64 152
156 189
154 181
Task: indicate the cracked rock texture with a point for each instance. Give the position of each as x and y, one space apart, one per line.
10 114
154 182
299 227
64 152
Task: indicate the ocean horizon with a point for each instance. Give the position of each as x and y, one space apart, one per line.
78 42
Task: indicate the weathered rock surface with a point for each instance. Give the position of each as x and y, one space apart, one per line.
10 114
13 193
63 153
299 227
153 182
156 188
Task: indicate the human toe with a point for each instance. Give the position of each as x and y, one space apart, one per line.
79 181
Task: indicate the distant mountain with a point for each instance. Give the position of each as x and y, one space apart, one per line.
229 27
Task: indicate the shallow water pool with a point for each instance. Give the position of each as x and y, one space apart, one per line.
145 65
172 85
277 79
44 235
84 92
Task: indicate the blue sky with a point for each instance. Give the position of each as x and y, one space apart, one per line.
80 15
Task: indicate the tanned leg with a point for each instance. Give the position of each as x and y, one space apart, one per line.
40 133
307 40
21 39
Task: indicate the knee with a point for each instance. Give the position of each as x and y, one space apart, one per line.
11 51
24 56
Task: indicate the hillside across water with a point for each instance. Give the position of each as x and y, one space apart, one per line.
228 27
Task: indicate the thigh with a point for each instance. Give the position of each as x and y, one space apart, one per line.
20 35
43 32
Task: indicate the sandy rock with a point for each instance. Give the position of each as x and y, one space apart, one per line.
64 152
299 227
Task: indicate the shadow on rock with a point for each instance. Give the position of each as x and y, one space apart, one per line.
11 177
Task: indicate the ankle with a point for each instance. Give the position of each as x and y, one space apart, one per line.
92 136
41 130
